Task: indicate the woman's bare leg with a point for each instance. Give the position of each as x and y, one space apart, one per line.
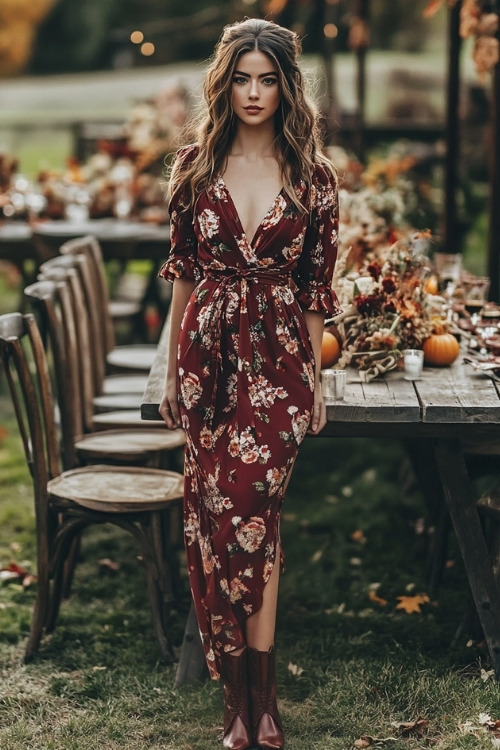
261 626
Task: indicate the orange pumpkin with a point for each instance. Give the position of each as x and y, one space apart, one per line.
330 350
431 285
440 349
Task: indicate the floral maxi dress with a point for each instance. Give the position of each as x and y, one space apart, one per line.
245 384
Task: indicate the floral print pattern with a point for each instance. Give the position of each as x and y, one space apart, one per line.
246 385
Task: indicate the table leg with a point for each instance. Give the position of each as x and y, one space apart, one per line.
464 515
192 665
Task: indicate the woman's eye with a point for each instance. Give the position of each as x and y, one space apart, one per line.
239 80
269 81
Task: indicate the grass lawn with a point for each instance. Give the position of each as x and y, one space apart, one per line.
353 669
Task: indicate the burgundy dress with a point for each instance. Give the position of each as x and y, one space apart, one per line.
246 386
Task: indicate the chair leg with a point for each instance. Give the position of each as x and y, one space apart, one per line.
39 615
66 547
158 581
70 565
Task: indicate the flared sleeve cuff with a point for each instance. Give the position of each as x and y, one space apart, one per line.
180 268
318 297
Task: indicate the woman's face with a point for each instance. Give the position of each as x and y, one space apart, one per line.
255 88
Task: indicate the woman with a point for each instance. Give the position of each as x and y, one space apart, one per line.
253 245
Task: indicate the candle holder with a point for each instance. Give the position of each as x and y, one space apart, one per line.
413 363
333 384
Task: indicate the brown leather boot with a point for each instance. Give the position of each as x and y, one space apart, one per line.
237 734
266 721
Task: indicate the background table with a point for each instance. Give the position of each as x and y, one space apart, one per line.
438 416
27 245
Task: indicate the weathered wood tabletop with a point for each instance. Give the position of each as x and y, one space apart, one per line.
441 416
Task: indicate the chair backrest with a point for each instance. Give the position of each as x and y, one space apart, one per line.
52 303
27 372
51 269
72 321
90 247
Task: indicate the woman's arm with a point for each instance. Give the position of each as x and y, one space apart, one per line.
169 406
315 324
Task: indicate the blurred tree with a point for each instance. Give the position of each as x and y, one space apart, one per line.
74 36
96 33
91 34
18 23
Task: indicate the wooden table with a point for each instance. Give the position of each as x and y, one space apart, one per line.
29 245
437 416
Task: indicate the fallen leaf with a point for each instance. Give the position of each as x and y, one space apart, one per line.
373 597
108 564
363 742
358 536
410 604
8 575
418 727
294 669
15 572
485 676
3 434
366 741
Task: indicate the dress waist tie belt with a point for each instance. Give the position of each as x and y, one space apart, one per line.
210 326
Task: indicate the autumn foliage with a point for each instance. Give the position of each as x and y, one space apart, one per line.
19 20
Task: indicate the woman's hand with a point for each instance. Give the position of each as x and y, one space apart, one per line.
169 406
318 420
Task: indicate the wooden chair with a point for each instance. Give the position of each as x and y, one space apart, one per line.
68 339
87 352
121 305
102 392
136 499
132 357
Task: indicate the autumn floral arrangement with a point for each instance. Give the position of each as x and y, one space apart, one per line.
481 23
122 177
386 306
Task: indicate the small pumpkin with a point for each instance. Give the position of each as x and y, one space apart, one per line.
431 285
330 349
441 349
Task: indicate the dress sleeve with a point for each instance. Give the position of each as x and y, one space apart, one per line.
182 258
314 272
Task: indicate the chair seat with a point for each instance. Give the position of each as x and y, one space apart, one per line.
117 489
125 384
115 401
130 445
124 418
132 357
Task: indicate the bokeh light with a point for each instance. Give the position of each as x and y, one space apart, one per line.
330 31
137 37
148 49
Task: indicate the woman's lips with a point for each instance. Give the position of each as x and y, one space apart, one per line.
253 110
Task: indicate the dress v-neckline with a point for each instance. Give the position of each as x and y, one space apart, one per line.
259 226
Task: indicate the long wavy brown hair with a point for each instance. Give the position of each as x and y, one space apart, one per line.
297 141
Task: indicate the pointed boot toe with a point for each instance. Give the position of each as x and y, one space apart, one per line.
266 720
237 734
